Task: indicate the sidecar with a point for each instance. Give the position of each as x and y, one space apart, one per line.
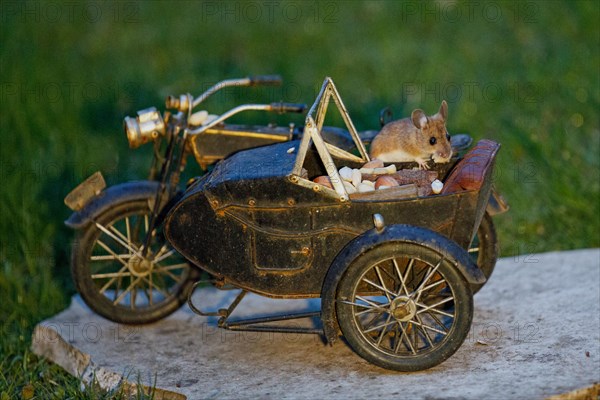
391 266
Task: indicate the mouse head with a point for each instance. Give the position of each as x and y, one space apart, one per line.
434 137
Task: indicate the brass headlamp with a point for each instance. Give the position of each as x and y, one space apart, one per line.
146 127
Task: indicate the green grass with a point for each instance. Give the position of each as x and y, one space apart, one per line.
524 74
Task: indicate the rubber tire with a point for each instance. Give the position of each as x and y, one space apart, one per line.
80 271
488 250
463 302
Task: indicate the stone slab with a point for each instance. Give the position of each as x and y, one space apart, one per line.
535 334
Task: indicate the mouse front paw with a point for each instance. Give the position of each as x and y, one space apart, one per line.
422 163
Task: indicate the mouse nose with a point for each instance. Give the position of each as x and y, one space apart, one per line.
444 155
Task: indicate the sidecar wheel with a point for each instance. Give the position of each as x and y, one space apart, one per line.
484 249
402 306
115 281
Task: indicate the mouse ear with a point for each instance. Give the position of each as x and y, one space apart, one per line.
443 110
419 118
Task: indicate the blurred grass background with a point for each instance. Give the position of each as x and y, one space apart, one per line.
523 73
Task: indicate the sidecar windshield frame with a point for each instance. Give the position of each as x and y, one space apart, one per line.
312 135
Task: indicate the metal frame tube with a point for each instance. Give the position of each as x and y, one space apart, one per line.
219 86
228 114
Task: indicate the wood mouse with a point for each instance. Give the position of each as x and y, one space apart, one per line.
418 138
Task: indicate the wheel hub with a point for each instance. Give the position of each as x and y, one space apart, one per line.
139 267
403 308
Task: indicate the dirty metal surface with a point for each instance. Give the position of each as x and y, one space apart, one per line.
535 334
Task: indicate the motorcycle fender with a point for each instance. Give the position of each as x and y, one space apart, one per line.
370 239
128 191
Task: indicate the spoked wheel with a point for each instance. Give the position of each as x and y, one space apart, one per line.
117 280
403 306
484 249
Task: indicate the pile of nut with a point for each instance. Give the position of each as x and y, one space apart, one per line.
374 176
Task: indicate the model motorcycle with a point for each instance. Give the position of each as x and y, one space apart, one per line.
121 264
259 223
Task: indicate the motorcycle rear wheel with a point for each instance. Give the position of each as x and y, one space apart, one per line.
116 280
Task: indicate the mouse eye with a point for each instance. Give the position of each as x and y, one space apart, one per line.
432 141
448 136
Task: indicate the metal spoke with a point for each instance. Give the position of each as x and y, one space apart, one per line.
379 326
131 286
420 277
123 237
110 257
111 274
166 294
105 247
424 331
385 271
419 290
110 282
403 279
433 306
370 310
370 302
171 267
167 270
434 284
437 321
422 281
117 239
165 255
428 327
360 305
398 338
169 273
407 339
137 227
162 250
435 310
415 334
410 268
374 319
385 291
128 229
384 330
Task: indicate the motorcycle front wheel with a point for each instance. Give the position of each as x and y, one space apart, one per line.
117 279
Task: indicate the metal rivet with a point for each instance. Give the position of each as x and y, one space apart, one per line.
252 202
291 202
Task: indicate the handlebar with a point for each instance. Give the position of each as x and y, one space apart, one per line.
277 107
265 80
287 107
272 80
